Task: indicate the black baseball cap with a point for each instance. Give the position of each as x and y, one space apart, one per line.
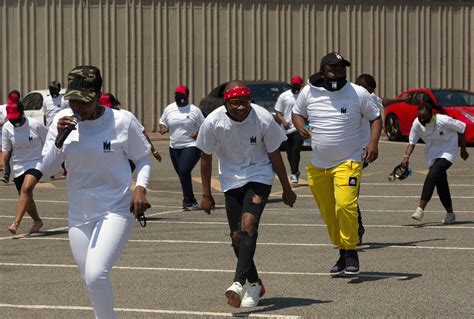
333 58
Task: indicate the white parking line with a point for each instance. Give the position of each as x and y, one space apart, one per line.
216 242
204 270
156 311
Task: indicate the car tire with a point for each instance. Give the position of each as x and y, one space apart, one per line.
392 128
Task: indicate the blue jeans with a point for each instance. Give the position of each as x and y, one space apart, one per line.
184 160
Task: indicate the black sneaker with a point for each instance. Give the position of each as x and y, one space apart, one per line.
352 263
338 268
185 204
5 179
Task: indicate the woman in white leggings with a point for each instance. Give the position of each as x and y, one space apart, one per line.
102 207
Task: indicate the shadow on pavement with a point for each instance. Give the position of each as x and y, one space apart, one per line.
368 246
278 303
373 276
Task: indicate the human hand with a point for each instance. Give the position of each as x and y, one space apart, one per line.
207 203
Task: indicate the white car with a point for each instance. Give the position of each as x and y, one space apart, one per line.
33 102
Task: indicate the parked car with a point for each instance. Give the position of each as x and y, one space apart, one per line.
264 93
458 104
33 102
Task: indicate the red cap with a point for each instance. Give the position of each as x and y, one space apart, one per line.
12 112
104 100
182 89
297 80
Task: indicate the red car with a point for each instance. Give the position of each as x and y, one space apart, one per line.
458 104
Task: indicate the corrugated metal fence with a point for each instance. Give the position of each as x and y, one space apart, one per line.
146 48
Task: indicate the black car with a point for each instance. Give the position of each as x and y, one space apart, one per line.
264 93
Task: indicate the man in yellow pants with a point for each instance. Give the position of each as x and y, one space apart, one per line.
334 108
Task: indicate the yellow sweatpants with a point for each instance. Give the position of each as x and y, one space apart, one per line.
336 191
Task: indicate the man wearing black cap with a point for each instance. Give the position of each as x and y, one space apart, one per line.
334 108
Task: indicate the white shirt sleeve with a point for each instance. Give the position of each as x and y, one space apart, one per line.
164 117
206 140
279 104
414 133
52 156
200 116
137 145
301 105
6 142
143 167
273 137
42 132
369 107
454 124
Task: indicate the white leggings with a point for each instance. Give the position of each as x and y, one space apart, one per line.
95 247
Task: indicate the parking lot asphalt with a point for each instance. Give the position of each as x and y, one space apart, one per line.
181 263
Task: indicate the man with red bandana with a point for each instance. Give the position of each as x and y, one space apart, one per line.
246 139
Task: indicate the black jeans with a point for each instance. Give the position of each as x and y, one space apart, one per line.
438 178
184 160
293 149
237 202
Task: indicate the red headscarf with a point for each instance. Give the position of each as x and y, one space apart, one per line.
237 92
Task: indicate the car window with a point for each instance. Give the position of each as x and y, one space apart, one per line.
267 91
454 98
33 101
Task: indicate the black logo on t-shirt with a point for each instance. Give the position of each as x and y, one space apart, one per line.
352 181
30 138
253 140
343 110
441 133
107 147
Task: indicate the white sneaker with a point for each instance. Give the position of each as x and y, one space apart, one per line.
418 214
252 296
449 219
294 179
234 294
194 206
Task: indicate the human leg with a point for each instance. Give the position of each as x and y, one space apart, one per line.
106 242
25 185
188 159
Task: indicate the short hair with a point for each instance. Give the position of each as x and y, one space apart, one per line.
54 84
425 106
367 79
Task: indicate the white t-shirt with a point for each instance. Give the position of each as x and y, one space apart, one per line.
96 157
140 126
242 147
440 136
181 123
284 105
335 120
25 143
366 124
52 105
3 117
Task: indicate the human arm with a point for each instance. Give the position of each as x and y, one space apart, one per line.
288 196
371 152
406 156
300 123
462 144
207 202
154 152
281 120
405 97
52 155
139 200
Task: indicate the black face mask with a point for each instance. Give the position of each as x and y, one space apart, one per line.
424 122
335 84
295 89
181 101
17 122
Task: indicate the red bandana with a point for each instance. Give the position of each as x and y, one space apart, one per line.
237 92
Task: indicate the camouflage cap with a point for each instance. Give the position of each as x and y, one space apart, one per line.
84 84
